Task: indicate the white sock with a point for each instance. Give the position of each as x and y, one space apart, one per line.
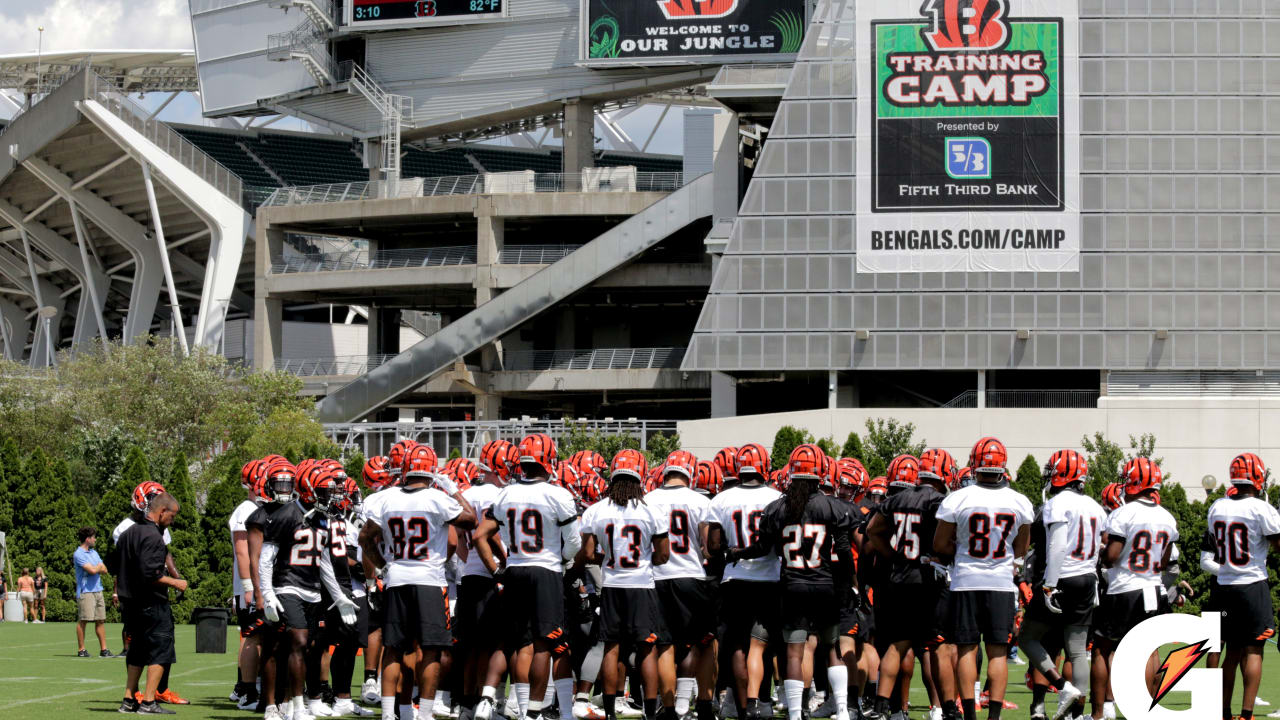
1109 710
549 696
794 691
564 696
684 691
489 691
522 696
838 678
389 707
299 704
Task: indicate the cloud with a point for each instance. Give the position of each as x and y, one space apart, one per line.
96 25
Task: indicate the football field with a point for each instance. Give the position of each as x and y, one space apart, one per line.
41 678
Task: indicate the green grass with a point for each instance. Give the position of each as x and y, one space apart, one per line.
41 678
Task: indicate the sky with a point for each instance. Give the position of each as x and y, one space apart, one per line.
165 25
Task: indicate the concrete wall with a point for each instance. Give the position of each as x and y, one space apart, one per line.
1195 436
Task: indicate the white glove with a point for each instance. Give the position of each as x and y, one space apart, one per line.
272 608
347 609
1051 600
445 483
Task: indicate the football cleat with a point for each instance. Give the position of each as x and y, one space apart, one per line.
371 691
1067 697
345 706
272 713
627 708
484 709
582 710
316 707
154 708
172 698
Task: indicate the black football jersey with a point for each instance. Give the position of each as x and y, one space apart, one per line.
299 541
913 517
258 518
1034 562
339 550
862 511
816 550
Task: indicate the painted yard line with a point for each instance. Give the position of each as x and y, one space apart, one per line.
90 691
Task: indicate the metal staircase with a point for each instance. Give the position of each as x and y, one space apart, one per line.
319 12
396 112
307 43
489 322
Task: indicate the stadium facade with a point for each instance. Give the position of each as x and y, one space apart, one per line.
782 263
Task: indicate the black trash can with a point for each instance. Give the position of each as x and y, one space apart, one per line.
211 629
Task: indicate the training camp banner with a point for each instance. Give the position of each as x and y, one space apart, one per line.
658 31
968 135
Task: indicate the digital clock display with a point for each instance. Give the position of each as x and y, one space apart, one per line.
405 12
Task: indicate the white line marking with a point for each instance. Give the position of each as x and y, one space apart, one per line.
90 691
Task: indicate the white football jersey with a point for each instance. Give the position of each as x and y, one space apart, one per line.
357 573
481 498
625 535
1147 529
415 534
236 524
1085 519
128 522
530 515
686 511
987 521
738 511
1238 534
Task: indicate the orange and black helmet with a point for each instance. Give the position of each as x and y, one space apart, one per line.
988 457
421 460
727 461
143 493
707 478
1064 469
396 456
376 475
937 465
879 486
904 471
629 464
493 457
1247 469
1141 474
539 449
1112 496
751 459
807 462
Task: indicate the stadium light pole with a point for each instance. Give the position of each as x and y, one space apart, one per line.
46 314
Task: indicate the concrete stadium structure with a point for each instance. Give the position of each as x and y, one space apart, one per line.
721 284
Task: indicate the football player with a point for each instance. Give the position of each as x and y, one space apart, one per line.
1242 528
811 533
1139 543
377 477
479 607
901 531
538 522
629 538
984 527
248 612
1067 536
293 565
688 603
412 524
748 626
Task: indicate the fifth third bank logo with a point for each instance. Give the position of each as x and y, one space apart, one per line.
1192 637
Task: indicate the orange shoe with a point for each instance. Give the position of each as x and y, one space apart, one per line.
172 698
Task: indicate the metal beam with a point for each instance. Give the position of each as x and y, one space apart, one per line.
99 301
164 258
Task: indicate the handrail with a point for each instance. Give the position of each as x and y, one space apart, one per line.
604 359
178 147
340 365
416 258
1027 399
517 182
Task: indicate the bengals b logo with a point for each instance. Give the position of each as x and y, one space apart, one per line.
960 25
696 9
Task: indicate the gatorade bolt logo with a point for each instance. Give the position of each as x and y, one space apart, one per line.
960 25
1195 637
696 9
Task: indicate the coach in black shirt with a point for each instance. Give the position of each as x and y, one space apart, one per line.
143 586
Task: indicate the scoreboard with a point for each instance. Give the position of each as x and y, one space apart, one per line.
408 13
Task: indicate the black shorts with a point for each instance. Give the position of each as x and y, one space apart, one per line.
1121 612
480 617
809 610
1077 596
298 613
985 615
689 608
752 612
632 615
150 629
534 606
905 613
417 615
1247 616
336 632
249 618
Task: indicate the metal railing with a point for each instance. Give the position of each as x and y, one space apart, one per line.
178 147
343 365
417 258
469 436
607 359
489 183
1028 399
750 74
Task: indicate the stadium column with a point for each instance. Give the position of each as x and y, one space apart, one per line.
724 395
490 238
13 331
579 141
268 312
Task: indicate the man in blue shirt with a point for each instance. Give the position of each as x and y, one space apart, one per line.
89 572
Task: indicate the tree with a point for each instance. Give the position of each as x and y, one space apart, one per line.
787 438
117 502
853 448
10 477
829 446
1030 480
660 446
1104 459
292 433
887 439
213 586
185 531
52 516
